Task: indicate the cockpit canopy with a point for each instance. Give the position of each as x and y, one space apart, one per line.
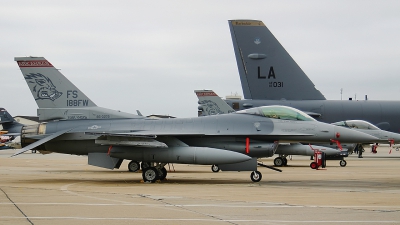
358 124
278 112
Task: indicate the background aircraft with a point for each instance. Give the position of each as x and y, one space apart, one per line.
232 141
270 76
211 104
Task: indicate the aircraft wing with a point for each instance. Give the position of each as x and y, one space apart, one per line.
42 141
155 134
134 139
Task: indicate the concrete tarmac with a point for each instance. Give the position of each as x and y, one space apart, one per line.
63 189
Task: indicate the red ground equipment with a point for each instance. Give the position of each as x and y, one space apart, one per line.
319 159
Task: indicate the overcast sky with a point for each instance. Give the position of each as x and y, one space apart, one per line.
151 55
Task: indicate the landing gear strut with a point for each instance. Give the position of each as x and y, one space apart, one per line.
152 173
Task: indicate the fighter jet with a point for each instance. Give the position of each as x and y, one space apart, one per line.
232 141
270 76
211 104
368 128
385 137
11 131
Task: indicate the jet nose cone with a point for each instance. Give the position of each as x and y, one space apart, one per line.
391 136
352 136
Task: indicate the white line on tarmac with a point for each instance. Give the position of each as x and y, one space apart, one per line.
65 189
209 220
202 205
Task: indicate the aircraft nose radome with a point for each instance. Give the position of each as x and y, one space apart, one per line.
393 136
353 136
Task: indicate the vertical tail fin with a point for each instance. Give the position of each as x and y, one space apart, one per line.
211 103
266 70
57 97
9 124
5 117
49 87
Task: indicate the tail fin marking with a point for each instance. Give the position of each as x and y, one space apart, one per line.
266 70
211 103
49 87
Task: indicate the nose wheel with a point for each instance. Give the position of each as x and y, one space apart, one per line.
255 176
343 163
215 168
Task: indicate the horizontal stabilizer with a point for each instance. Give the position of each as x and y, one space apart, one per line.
42 141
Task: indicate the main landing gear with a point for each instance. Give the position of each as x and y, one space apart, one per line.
154 172
133 166
150 171
280 161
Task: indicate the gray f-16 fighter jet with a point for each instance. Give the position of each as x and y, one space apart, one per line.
11 131
211 104
270 76
232 141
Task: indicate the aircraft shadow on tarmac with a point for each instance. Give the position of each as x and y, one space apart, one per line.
349 185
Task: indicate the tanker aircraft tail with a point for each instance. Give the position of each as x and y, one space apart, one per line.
57 97
266 69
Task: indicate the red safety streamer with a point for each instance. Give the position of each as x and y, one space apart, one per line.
109 149
247 145
391 142
338 144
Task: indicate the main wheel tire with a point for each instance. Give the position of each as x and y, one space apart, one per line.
343 163
150 174
215 168
314 165
133 166
163 174
255 176
278 161
284 161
